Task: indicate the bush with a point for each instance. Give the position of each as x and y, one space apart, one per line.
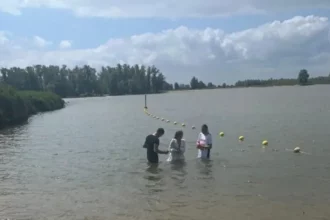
17 106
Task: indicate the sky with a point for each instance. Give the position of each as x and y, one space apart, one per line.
217 41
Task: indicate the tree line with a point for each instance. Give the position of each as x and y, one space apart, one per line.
302 79
86 81
121 80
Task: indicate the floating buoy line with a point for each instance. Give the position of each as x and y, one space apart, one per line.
264 143
193 127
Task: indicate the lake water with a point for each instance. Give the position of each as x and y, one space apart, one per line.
87 162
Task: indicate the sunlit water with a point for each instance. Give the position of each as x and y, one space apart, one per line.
87 162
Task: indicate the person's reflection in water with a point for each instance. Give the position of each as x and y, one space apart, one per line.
152 170
178 172
178 165
154 178
205 168
154 186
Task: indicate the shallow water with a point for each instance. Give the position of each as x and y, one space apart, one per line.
87 162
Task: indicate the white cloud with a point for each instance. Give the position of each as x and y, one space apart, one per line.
164 8
277 49
40 42
65 44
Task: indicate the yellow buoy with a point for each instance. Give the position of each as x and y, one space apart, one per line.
221 134
183 124
175 122
265 143
241 138
296 150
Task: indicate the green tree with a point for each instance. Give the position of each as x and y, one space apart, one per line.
194 84
201 85
210 85
176 86
303 77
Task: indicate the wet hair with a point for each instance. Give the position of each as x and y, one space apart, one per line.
178 134
205 127
160 131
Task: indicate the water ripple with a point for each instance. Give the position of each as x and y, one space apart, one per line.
87 162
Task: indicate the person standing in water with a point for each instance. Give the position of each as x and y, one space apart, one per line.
204 143
177 147
152 144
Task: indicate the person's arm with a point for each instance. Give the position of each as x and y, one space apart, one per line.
210 141
203 140
156 150
145 144
173 146
198 139
197 142
159 151
183 146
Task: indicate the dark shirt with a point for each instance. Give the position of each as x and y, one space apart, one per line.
150 142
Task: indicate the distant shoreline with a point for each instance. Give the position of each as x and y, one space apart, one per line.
199 89
123 79
189 90
243 87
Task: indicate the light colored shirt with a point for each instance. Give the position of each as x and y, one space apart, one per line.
204 139
176 152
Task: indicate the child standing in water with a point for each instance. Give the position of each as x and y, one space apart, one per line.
204 143
177 147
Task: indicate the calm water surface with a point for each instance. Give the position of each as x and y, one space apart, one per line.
87 162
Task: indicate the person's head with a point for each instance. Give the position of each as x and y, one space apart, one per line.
178 135
205 129
160 132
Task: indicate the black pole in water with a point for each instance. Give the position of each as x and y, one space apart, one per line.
145 101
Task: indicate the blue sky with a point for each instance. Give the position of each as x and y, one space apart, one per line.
90 32
55 24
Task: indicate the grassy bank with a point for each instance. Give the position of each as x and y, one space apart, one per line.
17 106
